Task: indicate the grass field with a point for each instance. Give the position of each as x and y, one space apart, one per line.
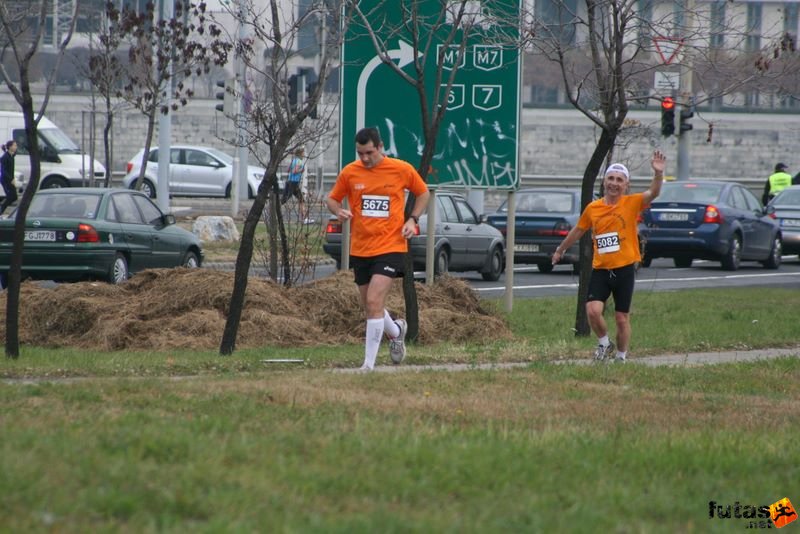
194 442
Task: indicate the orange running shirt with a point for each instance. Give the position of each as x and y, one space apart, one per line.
377 200
614 231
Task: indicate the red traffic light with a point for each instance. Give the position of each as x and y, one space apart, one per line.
667 103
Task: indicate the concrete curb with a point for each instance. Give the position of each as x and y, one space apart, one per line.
695 359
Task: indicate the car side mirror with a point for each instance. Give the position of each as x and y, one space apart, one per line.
482 218
168 219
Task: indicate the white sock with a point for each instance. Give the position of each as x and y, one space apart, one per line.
389 326
604 341
374 335
621 354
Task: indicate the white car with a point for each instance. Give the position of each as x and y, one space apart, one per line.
194 171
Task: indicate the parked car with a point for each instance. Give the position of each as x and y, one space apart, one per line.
96 233
711 220
785 208
464 242
194 171
543 218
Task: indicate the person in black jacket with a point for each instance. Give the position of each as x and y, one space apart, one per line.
7 174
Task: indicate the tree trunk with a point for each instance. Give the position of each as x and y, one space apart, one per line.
148 142
15 267
604 145
107 146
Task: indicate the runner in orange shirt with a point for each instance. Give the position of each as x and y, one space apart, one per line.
613 221
375 187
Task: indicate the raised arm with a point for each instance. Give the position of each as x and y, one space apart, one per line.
658 163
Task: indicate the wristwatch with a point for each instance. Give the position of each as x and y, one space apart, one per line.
415 218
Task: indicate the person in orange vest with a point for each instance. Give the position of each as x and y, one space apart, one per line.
777 182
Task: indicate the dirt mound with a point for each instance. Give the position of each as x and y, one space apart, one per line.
187 308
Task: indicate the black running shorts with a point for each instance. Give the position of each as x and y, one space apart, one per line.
390 265
618 282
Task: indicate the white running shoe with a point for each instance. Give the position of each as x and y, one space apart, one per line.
601 352
397 346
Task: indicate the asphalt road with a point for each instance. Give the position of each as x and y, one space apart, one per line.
660 276
530 283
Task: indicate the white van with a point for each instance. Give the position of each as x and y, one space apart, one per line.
62 163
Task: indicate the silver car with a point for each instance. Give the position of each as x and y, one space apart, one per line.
194 171
464 242
785 208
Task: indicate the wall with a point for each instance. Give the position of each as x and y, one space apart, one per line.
554 142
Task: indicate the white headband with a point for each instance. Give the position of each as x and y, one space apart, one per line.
618 167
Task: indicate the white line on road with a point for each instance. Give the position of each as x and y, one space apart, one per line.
651 281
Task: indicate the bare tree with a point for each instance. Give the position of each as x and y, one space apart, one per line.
104 66
23 24
161 55
274 128
432 30
606 57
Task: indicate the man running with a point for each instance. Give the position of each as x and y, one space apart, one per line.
375 187
613 221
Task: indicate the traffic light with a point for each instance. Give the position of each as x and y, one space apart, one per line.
667 116
294 87
226 95
684 124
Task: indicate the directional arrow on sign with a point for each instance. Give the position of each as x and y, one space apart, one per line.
404 55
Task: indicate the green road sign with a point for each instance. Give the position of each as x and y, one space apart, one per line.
477 144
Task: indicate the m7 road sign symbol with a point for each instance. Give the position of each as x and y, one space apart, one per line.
487 57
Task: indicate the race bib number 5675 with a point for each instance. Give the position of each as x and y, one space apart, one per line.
375 206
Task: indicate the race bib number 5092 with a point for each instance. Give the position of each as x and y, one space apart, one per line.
375 206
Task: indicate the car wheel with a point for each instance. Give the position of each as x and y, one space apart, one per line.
734 254
191 261
54 182
228 191
250 194
682 262
442 263
148 188
119 270
774 259
495 267
545 267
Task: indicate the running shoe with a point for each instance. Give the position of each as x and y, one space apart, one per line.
397 346
601 352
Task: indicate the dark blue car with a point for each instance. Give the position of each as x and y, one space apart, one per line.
710 220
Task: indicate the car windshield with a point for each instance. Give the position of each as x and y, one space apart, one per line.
70 205
59 141
544 201
788 198
688 192
222 156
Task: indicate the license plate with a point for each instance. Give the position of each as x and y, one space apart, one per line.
790 222
40 235
526 248
673 216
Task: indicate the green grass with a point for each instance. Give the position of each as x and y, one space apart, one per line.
184 441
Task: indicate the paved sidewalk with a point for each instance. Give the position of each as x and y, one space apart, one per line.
687 359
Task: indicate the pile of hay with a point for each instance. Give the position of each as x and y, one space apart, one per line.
187 308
